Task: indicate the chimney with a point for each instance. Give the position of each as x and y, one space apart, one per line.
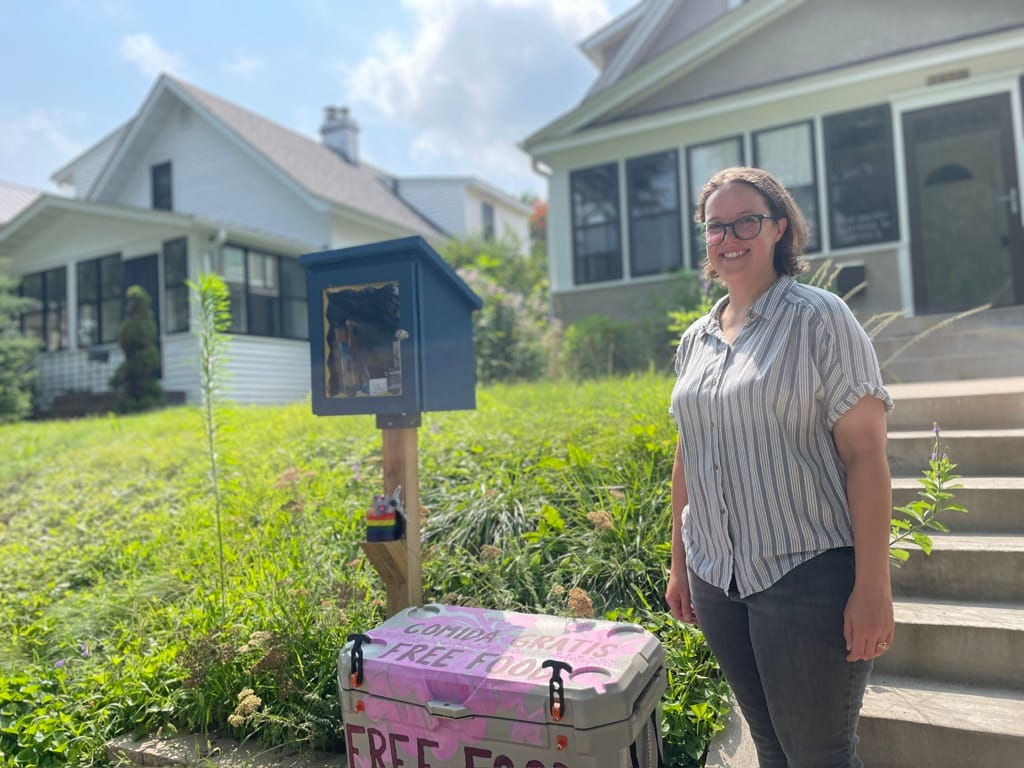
340 133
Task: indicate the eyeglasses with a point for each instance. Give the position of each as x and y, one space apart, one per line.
744 228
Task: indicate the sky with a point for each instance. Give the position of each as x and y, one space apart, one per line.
438 87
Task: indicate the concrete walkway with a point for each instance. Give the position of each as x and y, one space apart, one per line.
213 753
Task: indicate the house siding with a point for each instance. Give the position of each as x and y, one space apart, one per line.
212 175
87 168
259 371
827 35
814 98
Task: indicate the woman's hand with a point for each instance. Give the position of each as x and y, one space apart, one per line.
868 624
677 595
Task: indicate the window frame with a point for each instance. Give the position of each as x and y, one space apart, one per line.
814 242
833 194
48 305
487 221
583 264
247 295
673 215
175 290
161 186
696 239
99 299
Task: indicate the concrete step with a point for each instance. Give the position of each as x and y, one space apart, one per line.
951 342
991 452
994 504
973 568
978 404
969 644
997 318
908 723
962 367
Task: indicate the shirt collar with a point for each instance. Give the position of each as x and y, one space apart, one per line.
766 305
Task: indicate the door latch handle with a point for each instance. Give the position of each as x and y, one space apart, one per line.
1011 198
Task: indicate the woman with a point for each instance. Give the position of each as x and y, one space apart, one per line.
781 493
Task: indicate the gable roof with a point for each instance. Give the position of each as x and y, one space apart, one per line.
638 74
15 198
695 56
303 162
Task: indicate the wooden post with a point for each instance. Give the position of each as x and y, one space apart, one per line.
398 562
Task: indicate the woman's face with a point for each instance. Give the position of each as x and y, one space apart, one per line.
742 262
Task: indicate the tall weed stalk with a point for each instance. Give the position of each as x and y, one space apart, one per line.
213 318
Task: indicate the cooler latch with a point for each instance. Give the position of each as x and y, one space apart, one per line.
355 677
556 689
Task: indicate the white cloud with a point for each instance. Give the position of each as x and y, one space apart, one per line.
243 66
30 142
477 76
143 51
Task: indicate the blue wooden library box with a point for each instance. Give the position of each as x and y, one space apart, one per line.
390 329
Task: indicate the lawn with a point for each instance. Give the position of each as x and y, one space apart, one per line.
132 602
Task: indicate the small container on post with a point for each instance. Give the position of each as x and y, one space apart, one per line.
391 334
391 330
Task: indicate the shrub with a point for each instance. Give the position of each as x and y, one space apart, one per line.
136 379
17 355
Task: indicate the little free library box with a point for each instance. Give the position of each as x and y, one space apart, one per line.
391 330
458 687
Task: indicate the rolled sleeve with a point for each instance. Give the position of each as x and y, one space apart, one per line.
848 364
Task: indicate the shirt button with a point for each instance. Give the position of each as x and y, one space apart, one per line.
716 467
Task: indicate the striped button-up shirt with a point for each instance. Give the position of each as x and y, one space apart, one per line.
766 487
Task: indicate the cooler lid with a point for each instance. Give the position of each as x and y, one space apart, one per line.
460 662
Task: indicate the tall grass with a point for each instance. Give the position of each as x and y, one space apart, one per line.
113 617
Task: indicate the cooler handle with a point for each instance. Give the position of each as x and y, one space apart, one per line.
447 709
356 672
556 689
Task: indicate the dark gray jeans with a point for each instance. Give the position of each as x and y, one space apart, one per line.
782 652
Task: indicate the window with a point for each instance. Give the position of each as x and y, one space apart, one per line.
487 216
294 314
264 295
267 292
176 306
160 181
229 263
46 319
787 153
861 176
100 300
702 162
654 236
597 249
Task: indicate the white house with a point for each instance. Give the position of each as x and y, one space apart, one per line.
195 183
896 125
465 206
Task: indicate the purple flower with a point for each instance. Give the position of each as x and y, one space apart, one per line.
84 650
60 663
935 428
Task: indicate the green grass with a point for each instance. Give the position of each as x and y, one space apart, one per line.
111 612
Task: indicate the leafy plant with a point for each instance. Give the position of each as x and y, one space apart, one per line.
213 314
912 521
17 353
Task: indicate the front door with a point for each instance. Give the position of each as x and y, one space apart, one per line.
967 246
144 271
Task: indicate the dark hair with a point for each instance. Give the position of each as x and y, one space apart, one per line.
781 205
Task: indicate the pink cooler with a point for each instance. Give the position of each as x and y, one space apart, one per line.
450 687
